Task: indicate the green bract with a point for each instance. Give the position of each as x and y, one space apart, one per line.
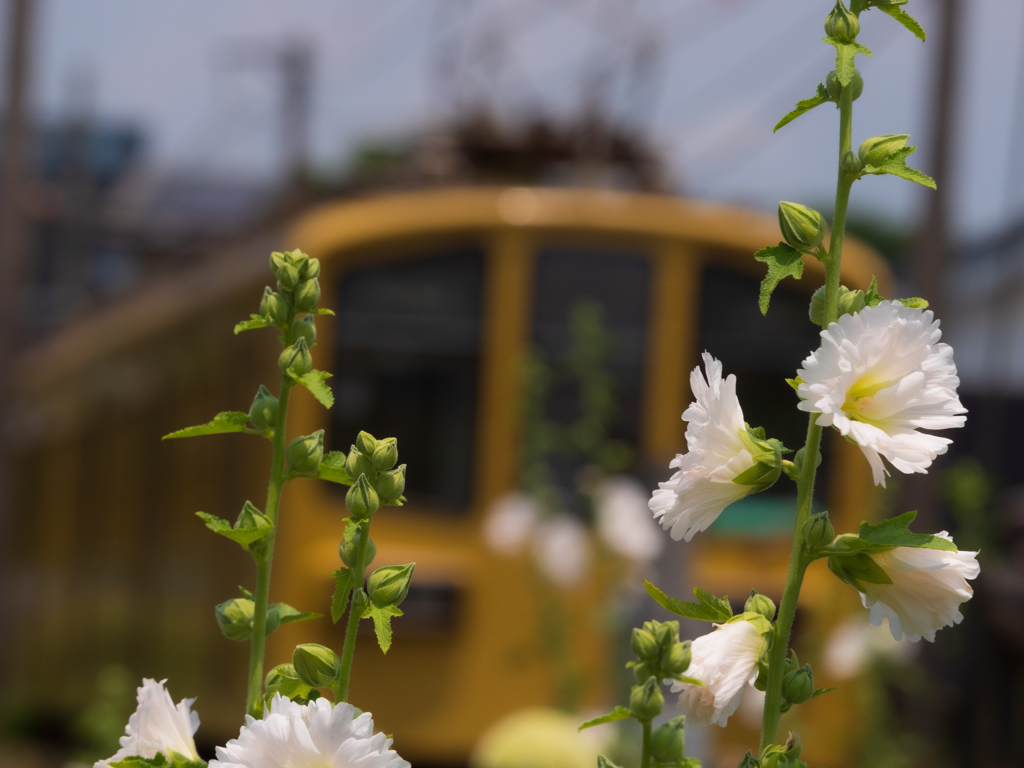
767 453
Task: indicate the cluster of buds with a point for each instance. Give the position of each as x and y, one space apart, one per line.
659 652
298 291
371 464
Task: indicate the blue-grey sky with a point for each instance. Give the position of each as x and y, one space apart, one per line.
724 71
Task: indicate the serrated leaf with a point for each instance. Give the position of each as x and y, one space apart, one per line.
707 608
845 54
783 261
249 529
896 532
822 691
344 581
332 469
619 713
873 298
903 18
225 421
381 615
314 382
254 322
896 165
804 106
288 615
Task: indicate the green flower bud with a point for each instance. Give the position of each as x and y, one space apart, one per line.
798 685
359 596
348 551
263 411
842 25
316 665
366 443
304 454
644 645
284 679
644 670
287 277
798 460
389 585
296 359
668 741
749 761
310 269
802 227
666 633
761 604
277 260
305 329
274 306
361 499
307 294
385 454
390 485
875 150
850 302
850 163
296 258
234 618
676 659
817 531
835 88
647 700
357 463
793 748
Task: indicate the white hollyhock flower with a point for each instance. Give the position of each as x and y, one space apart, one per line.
716 454
928 586
314 735
726 662
624 522
157 726
561 549
880 375
510 523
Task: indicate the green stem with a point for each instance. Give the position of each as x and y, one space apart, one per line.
354 614
645 757
799 559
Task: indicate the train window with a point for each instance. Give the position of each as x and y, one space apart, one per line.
407 359
762 351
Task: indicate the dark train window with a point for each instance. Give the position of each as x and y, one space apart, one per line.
763 351
406 366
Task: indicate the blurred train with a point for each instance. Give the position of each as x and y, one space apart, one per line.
439 294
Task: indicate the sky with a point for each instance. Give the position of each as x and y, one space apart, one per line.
720 74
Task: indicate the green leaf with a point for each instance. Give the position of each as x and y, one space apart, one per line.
822 691
332 469
903 18
344 581
845 53
225 421
896 532
914 302
795 383
689 680
314 382
806 105
254 322
896 165
619 713
873 298
287 615
707 608
783 261
323 311
381 615
251 527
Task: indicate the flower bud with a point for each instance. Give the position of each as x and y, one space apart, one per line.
356 463
666 633
774 757
309 270
850 163
348 551
798 459
359 596
676 659
274 306
644 645
284 679
644 670
361 499
385 454
390 485
287 277
802 227
305 329
234 618
389 585
668 741
307 294
304 454
841 24
761 604
850 302
647 700
875 150
296 359
277 259
749 761
798 685
264 409
835 88
817 531
316 665
366 443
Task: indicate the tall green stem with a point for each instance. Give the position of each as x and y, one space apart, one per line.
799 559
354 614
645 755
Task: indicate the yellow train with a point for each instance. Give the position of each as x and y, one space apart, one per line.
439 294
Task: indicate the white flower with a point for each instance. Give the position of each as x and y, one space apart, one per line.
726 662
561 549
928 586
510 523
314 735
879 376
157 726
624 522
696 495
